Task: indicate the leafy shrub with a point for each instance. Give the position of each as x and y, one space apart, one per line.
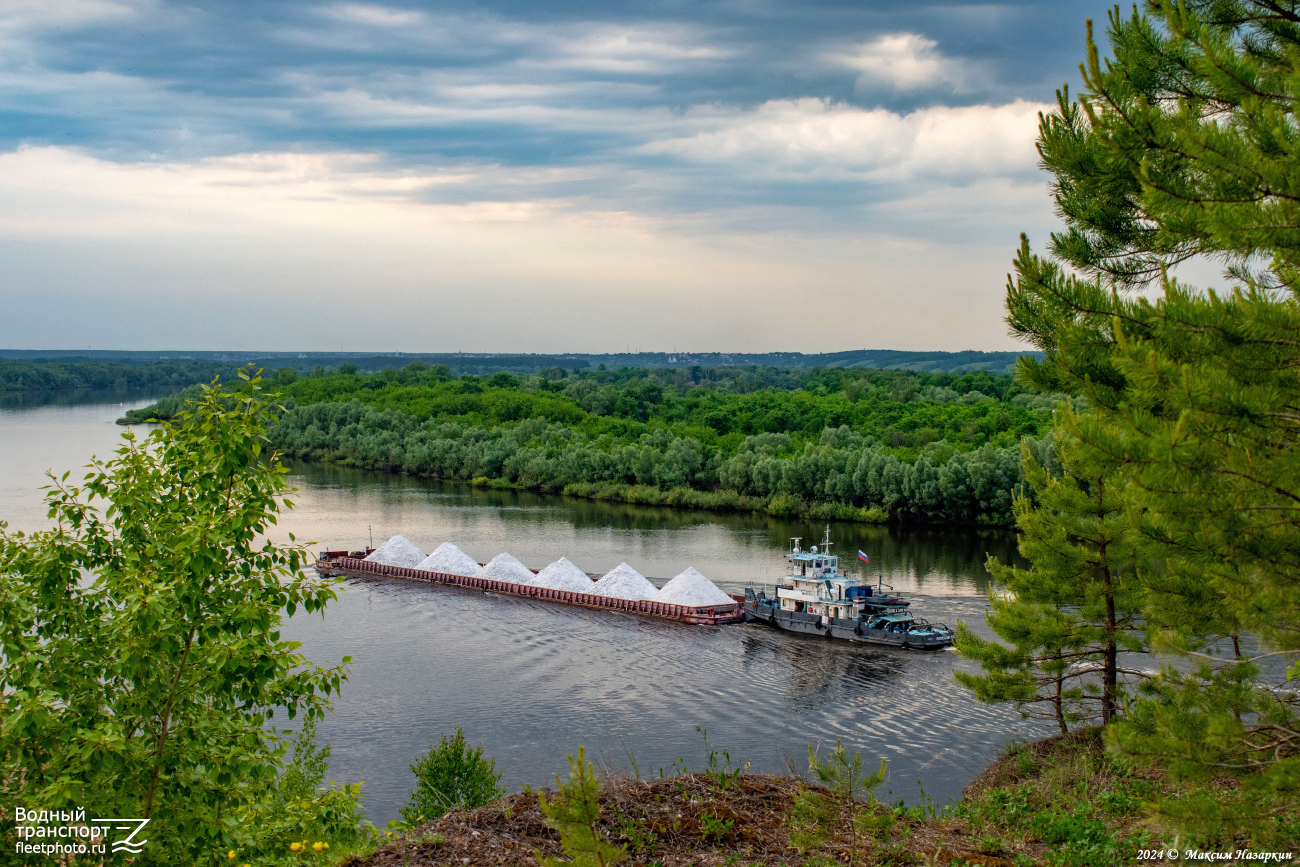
1076 840
299 807
451 775
141 657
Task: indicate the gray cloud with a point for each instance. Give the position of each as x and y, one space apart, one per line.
526 157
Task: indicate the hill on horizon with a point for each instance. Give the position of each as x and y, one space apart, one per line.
967 361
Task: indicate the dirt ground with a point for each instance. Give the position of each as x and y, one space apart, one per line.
689 820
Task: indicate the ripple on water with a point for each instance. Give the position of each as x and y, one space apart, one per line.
531 681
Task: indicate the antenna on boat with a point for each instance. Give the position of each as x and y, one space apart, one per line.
371 528
796 540
826 545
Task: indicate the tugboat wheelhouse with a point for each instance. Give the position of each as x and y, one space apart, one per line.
817 598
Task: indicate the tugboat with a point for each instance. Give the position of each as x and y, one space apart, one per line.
818 599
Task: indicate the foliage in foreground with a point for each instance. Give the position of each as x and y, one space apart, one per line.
1068 617
1062 802
302 808
451 775
820 814
140 654
574 811
1184 144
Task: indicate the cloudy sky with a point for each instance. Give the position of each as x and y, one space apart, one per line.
487 175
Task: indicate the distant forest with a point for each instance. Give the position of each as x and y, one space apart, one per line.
843 443
483 363
49 375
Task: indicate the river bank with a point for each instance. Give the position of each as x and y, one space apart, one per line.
1057 801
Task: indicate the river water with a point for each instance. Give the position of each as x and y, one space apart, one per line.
532 681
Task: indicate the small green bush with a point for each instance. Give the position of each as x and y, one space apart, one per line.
301 807
784 505
574 811
451 775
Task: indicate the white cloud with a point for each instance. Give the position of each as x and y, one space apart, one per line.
40 14
811 138
623 49
517 49
376 16
906 61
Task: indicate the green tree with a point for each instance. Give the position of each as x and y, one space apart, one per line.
451 775
818 815
574 811
1070 615
141 661
1184 145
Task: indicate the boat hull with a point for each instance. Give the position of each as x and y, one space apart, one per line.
845 630
347 564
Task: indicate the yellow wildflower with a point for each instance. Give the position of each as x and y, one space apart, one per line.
294 847
231 854
318 846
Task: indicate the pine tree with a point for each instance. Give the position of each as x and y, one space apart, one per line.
575 813
1070 615
818 815
1185 144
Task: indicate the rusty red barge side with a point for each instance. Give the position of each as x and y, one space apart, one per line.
336 563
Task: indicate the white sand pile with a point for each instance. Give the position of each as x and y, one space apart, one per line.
504 567
397 551
563 575
692 590
624 582
449 560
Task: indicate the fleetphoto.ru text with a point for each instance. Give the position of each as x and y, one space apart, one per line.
69 832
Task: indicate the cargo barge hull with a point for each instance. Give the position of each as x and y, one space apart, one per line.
342 563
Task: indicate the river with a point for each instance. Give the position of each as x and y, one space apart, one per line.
532 681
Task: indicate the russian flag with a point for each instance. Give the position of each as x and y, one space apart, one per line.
863 557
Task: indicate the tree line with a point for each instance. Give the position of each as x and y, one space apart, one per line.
31 376
841 469
867 445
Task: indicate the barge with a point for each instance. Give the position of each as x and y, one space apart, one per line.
353 564
818 599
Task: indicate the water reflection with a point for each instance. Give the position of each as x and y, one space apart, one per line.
732 549
532 681
816 672
130 397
